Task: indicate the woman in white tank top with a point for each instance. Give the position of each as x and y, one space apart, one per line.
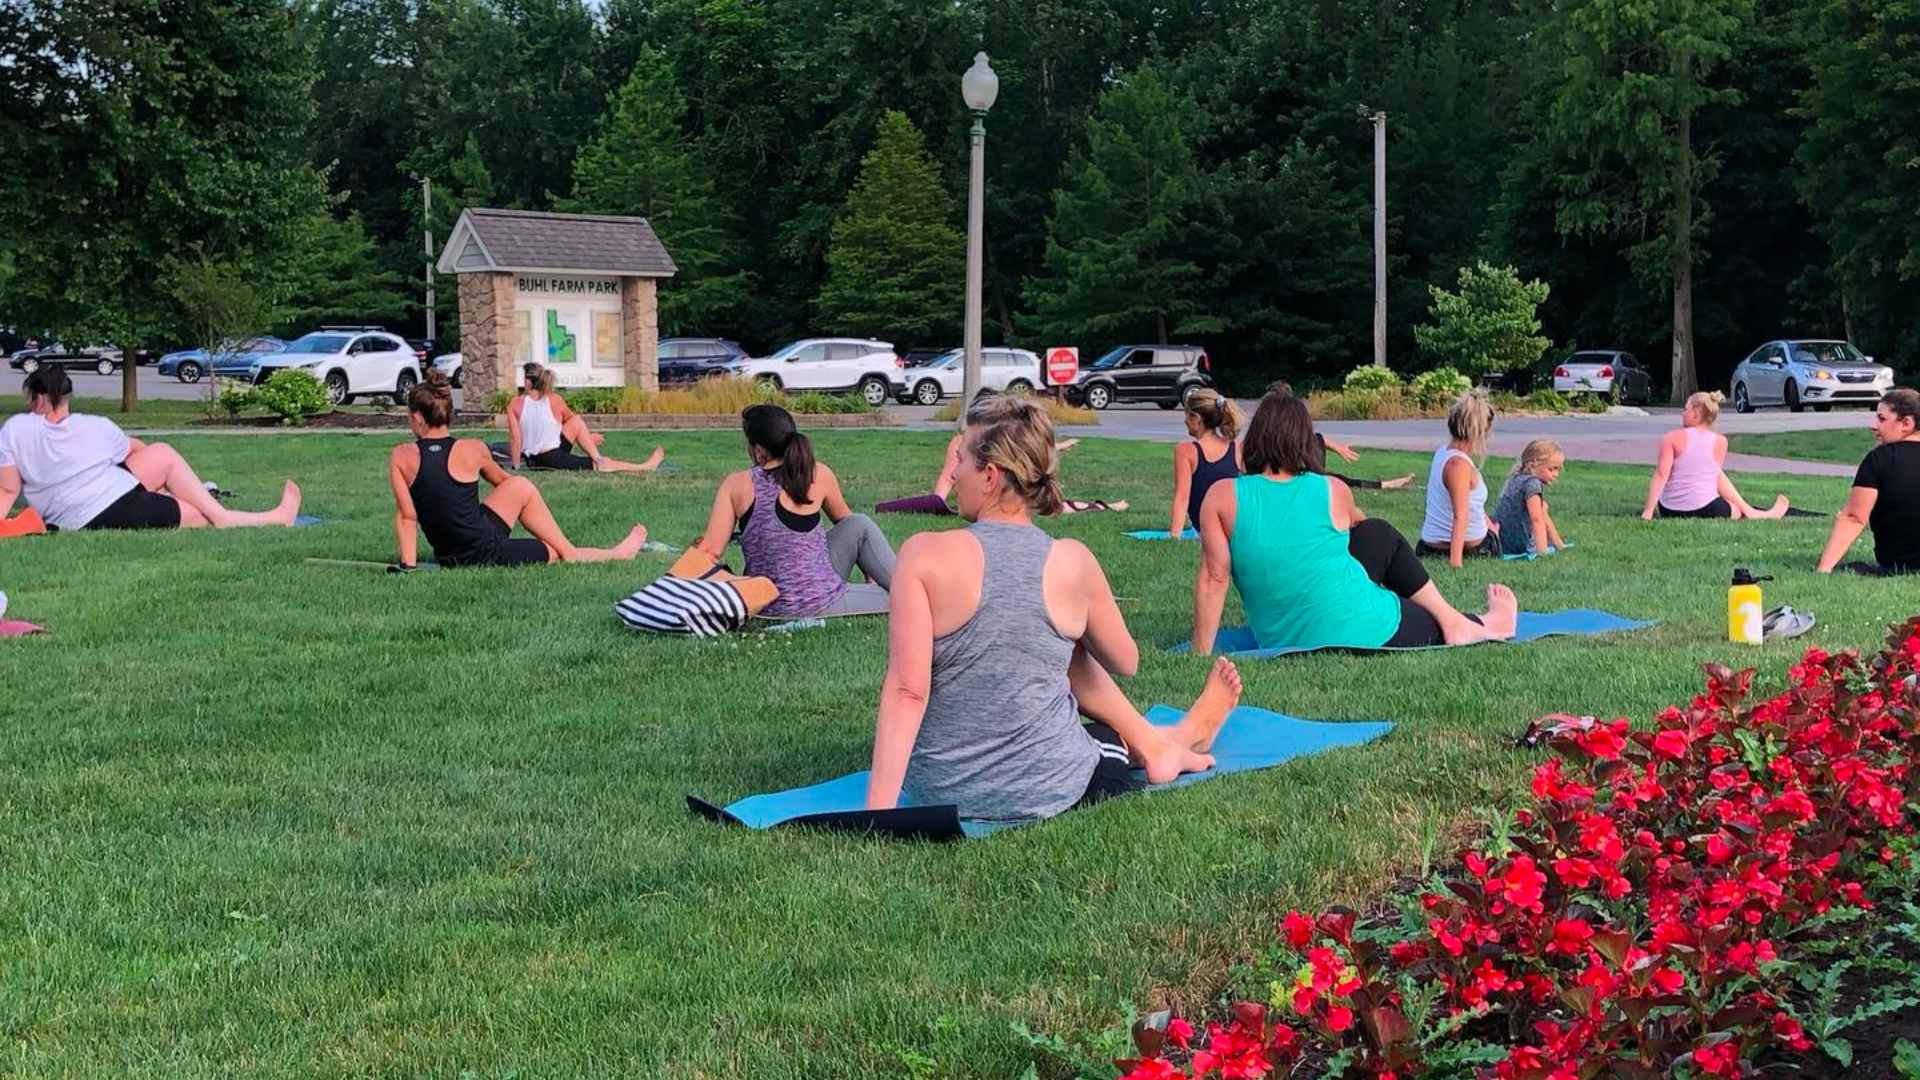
540 426
1456 524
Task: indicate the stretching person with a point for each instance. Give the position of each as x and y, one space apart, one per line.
1690 479
1001 638
1310 575
436 490
1347 453
1212 422
936 503
540 426
83 472
1456 524
777 504
1885 495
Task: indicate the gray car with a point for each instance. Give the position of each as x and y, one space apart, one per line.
1799 373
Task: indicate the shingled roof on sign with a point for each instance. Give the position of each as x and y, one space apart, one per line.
515 241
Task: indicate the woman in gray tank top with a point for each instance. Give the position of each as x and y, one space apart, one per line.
1001 640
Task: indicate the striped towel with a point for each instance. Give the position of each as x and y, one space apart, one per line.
674 605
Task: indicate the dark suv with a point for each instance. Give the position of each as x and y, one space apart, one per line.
688 360
1162 374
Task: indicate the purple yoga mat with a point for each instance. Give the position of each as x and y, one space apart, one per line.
916 504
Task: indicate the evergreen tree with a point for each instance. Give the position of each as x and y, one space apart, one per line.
897 264
1119 257
331 273
642 164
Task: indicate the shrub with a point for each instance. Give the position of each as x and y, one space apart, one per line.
295 395
1637 919
1592 403
1547 401
1371 377
234 399
1491 324
498 403
595 400
1392 403
1057 410
1439 386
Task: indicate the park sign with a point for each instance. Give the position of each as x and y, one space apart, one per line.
1063 365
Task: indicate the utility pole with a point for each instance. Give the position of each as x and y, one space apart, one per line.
1380 239
426 216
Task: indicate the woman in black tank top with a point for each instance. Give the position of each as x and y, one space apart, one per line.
1211 419
428 492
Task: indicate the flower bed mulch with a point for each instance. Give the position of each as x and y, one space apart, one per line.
324 421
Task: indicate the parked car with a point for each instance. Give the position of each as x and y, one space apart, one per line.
1808 372
1001 370
450 365
192 365
829 364
922 357
1162 374
686 360
349 363
102 359
423 347
1611 373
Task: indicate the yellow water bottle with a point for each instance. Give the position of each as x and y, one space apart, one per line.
1744 608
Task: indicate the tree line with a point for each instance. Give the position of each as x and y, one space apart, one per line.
1690 177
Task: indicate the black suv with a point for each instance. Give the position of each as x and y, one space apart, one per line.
689 360
1162 374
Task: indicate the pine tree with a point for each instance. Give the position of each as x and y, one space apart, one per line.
1119 256
641 163
897 263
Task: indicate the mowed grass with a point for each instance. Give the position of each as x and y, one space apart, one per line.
269 819
1843 445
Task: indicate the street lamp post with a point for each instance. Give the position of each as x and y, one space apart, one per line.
426 214
979 86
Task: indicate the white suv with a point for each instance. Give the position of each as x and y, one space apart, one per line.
349 361
1001 370
829 364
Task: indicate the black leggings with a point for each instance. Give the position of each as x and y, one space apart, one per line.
1353 483
1390 562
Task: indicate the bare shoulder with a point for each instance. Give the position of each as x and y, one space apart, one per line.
1183 451
405 454
928 550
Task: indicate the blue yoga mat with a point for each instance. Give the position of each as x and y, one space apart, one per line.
1250 739
301 521
1238 641
1187 533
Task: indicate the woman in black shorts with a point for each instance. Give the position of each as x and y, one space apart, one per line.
436 486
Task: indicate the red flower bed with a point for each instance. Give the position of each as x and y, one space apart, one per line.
1638 916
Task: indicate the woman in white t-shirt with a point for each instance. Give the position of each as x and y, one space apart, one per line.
83 472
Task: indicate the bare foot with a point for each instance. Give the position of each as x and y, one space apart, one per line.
1396 483
1217 698
630 547
289 507
1777 510
654 459
1171 759
1503 612
1121 505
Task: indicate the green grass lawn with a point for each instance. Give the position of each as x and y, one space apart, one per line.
1844 445
268 819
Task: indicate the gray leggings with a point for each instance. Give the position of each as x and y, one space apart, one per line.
856 541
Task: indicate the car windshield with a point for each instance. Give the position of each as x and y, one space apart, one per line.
947 359
789 350
318 343
1826 352
1114 357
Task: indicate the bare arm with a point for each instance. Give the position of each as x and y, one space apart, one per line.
1458 476
1661 470
1847 525
909 678
832 499
722 518
9 488
1216 568
1107 640
1553 531
1184 462
515 440
1346 452
948 465
406 535
1539 523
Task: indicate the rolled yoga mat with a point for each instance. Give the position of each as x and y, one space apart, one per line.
1239 643
1250 739
915 504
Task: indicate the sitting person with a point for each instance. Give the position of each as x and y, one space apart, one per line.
1346 453
1526 525
540 427
436 490
1885 495
1456 524
1310 575
1212 423
936 503
1002 638
83 472
1689 481
776 507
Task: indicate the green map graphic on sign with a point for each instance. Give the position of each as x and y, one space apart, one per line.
562 346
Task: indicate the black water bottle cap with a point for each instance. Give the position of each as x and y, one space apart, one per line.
1742 576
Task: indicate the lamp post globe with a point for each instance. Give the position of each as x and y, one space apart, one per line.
978 87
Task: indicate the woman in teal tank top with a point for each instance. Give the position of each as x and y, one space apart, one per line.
1312 570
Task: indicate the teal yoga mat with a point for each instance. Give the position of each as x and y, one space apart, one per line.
1239 643
1250 739
1162 534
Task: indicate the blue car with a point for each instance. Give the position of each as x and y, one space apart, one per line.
191 365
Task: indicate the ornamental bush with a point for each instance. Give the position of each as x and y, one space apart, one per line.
1372 377
1441 385
1492 324
295 395
1639 919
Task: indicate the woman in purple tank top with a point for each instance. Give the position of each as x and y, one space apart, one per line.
1689 480
775 508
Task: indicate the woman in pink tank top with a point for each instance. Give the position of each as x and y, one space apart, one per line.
1690 480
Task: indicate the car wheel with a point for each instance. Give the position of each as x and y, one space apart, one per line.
104 367
188 372
1821 408
1793 396
874 389
30 365
403 386
1099 396
1166 404
927 392
337 388
456 378
1741 403
1019 386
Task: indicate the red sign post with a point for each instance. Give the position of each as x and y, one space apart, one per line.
1063 365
